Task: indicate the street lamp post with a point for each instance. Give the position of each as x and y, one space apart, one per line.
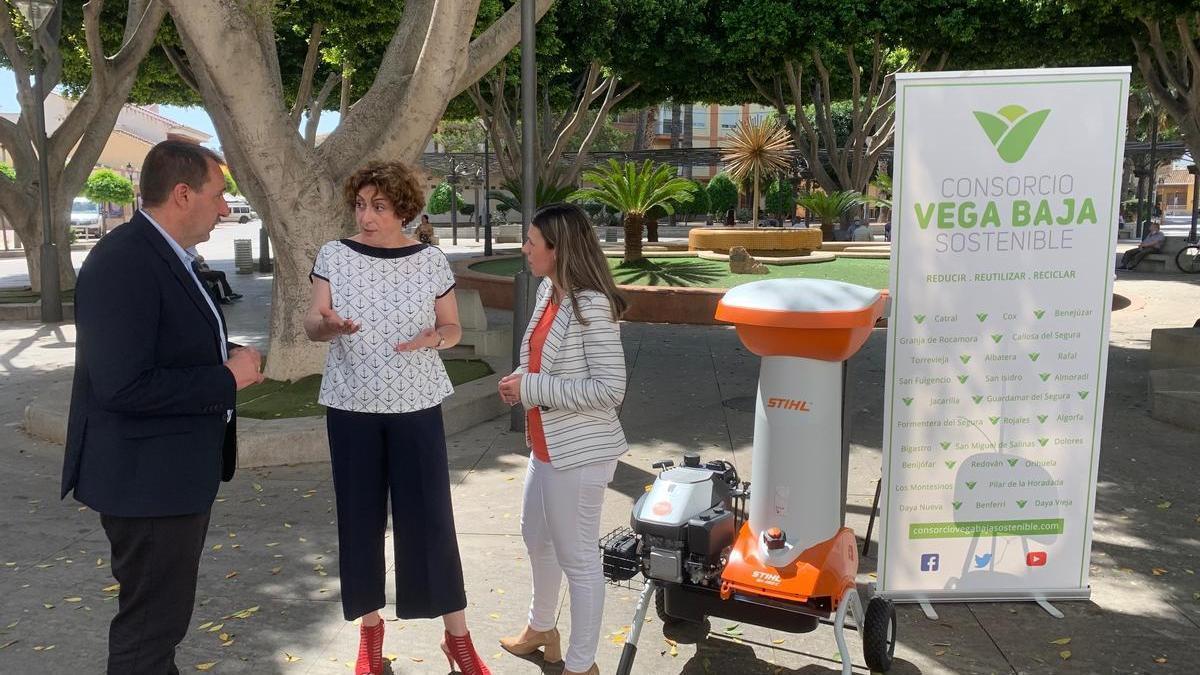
475 183
36 12
452 179
1195 191
487 199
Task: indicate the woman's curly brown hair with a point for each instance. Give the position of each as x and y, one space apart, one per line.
394 180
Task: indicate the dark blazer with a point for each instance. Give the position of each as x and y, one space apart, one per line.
147 434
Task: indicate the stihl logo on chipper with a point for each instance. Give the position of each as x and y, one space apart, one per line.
767 577
787 404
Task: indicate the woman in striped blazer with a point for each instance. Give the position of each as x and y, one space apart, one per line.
571 380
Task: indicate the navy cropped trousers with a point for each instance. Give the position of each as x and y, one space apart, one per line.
401 457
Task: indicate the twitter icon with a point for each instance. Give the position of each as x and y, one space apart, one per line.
982 561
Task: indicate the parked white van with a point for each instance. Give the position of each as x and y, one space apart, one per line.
240 212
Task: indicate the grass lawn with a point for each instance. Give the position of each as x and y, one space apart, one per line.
12 296
712 274
277 400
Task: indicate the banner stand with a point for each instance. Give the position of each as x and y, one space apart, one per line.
1006 196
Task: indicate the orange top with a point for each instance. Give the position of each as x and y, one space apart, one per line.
533 417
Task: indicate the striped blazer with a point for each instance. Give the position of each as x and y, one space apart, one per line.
581 381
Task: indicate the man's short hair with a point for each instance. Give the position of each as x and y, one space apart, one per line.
173 162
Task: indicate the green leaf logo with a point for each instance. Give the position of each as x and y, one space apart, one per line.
950 463
970 485
1043 441
945 445
1011 129
1033 356
964 358
1042 418
1013 462
1021 503
982 317
1082 394
907 401
997 337
1039 313
1044 376
962 379
956 505
919 318
977 399
994 420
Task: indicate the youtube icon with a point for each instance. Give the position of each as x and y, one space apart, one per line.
1035 559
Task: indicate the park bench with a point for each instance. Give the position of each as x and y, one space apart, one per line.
486 341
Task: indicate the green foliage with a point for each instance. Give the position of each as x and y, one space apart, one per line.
697 202
231 185
439 199
508 198
781 197
7 171
829 207
722 194
459 135
635 189
105 186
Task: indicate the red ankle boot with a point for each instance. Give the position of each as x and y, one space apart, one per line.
462 655
370 650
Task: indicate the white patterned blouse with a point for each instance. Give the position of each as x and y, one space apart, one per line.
390 292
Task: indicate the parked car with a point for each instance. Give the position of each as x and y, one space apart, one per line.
241 212
85 217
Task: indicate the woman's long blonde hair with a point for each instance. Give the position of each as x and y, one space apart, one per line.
579 263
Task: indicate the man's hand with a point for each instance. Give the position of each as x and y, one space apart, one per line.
332 324
245 364
510 388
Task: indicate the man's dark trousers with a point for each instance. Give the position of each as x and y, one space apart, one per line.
156 561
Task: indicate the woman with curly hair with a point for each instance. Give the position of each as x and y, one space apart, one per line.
385 302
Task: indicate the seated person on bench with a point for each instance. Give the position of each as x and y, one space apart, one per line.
215 281
1151 243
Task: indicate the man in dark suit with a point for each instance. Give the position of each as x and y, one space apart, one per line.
151 432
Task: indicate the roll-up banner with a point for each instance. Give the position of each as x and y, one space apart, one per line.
1007 186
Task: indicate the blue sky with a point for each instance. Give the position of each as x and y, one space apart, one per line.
194 117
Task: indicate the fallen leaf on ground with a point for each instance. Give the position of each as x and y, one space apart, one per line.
778 641
290 658
1064 654
111 589
205 625
206 666
1164 505
74 599
1158 571
416 659
1061 641
1160 659
216 628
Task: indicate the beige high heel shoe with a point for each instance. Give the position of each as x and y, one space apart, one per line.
549 640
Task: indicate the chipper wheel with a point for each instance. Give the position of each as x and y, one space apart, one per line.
879 635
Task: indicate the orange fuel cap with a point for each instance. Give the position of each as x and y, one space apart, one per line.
775 538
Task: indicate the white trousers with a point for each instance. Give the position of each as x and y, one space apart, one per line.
560 523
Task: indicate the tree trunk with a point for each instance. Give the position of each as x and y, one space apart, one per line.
652 229
754 206
29 229
826 228
633 237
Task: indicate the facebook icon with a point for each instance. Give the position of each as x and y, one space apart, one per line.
929 562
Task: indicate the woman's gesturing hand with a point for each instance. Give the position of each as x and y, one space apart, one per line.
510 388
426 339
332 323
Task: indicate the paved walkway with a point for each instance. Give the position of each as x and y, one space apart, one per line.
268 591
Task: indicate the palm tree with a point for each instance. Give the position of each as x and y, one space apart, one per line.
634 190
830 207
757 148
508 197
